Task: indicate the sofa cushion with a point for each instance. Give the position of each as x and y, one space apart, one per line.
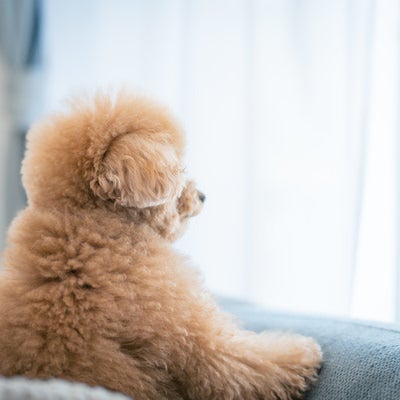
361 359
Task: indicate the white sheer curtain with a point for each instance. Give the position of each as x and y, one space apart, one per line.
291 112
376 289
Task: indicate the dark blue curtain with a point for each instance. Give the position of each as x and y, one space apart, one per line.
21 24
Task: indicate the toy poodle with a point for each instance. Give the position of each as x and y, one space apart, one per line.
92 289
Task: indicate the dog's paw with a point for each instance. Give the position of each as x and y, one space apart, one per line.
310 360
295 361
301 364
312 356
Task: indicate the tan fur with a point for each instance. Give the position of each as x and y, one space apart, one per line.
92 289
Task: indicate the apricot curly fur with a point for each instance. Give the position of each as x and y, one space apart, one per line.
92 289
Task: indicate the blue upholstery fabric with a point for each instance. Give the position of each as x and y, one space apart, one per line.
361 359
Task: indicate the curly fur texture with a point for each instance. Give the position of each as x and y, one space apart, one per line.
92 289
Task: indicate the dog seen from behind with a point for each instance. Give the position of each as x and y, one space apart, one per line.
92 289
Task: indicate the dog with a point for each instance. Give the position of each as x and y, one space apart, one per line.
92 289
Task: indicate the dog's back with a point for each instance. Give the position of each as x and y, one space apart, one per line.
48 293
73 297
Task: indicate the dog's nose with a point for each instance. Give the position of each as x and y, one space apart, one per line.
202 196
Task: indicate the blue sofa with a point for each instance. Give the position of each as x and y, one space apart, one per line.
361 360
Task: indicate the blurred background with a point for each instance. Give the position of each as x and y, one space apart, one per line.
291 109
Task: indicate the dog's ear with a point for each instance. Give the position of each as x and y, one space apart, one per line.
138 171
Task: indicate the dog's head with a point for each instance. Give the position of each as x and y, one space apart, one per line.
124 155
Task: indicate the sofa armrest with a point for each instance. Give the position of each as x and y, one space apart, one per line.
361 359
20 388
